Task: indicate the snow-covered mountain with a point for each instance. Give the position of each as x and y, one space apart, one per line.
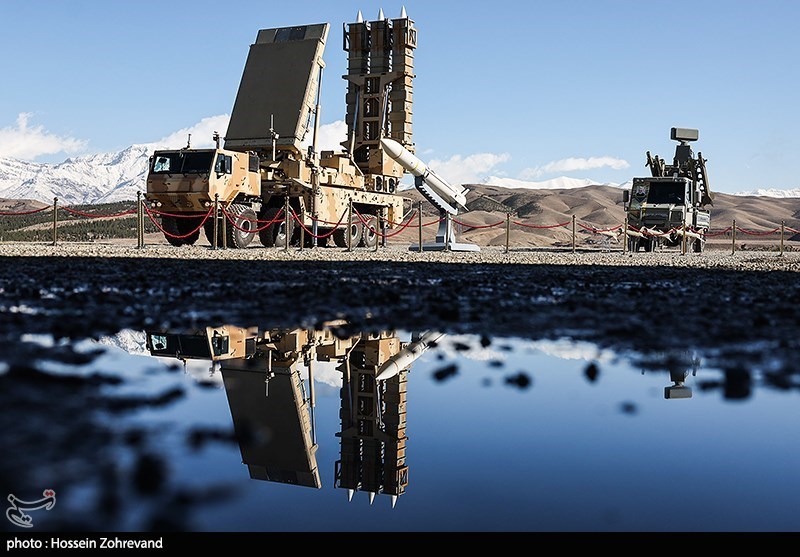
560 183
772 192
110 177
100 178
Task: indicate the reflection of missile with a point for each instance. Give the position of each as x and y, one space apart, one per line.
447 193
403 359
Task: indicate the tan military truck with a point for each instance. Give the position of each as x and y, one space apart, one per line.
671 206
269 176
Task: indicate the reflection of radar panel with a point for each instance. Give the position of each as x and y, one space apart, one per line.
272 417
373 418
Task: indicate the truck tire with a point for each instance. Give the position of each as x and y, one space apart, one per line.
170 226
240 233
186 225
275 234
698 245
355 230
370 235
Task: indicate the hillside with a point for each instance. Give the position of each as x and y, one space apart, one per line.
598 207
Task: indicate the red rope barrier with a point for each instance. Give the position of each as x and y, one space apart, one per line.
476 227
317 236
720 233
792 230
596 230
382 235
754 233
34 211
541 227
95 216
230 218
177 236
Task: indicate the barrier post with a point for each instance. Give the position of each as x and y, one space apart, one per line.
215 223
508 230
139 223
733 237
419 208
287 218
224 222
302 233
447 232
350 224
683 242
783 230
55 221
573 233
625 235
378 230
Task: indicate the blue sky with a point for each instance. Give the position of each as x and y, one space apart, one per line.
527 90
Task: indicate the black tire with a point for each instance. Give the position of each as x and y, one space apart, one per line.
370 235
698 245
649 244
275 234
186 225
171 229
241 232
355 230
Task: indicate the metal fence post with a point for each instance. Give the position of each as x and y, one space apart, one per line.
55 221
573 233
733 237
625 235
350 224
378 230
286 220
224 228
139 222
215 223
783 230
508 230
419 218
683 242
302 232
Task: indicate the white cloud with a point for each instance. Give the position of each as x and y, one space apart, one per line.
330 136
202 133
573 164
472 169
26 142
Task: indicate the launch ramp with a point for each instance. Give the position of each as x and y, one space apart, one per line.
279 83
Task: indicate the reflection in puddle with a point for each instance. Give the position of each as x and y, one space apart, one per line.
472 432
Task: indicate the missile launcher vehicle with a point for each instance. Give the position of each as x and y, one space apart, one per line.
671 206
269 176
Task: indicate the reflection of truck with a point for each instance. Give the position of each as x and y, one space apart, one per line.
670 207
272 398
268 163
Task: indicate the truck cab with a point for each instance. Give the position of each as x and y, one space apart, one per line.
670 206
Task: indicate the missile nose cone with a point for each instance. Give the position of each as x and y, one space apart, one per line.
359 17
403 14
394 500
350 494
392 147
380 14
371 497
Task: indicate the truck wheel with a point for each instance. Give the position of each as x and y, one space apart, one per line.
188 225
170 226
275 234
369 236
355 231
244 222
698 245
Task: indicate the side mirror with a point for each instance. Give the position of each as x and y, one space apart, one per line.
626 196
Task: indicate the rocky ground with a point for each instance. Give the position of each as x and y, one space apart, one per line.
738 310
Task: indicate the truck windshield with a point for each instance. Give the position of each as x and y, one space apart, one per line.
668 193
183 162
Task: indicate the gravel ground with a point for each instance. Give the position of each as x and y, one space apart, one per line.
736 310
